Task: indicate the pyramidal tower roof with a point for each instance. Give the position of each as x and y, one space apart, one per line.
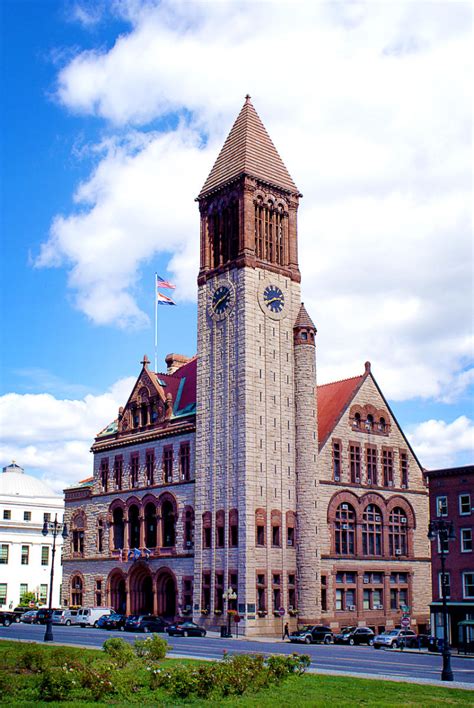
249 150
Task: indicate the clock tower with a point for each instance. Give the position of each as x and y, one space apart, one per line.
246 534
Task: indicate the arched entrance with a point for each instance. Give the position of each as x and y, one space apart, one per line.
117 594
166 593
140 588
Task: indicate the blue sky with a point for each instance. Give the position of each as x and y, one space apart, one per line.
113 114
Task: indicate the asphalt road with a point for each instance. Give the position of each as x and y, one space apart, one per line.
334 658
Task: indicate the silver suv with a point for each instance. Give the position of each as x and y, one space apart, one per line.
393 639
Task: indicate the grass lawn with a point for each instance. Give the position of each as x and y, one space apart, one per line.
20 680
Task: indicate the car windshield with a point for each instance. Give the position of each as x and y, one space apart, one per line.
113 617
393 633
308 628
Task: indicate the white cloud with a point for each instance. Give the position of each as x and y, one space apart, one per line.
369 104
439 444
51 437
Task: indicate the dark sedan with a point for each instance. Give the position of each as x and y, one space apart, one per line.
186 629
355 635
29 617
6 618
145 623
42 615
313 633
114 621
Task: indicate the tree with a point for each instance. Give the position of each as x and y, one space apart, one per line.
27 597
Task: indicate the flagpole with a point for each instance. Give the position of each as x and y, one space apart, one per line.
156 322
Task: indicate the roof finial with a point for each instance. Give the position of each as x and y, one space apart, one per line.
145 361
247 98
367 367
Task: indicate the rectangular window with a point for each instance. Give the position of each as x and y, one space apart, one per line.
336 460
168 463
387 463
350 598
7 514
404 470
44 555
446 581
23 590
377 599
442 506
355 463
118 468
371 461
185 461
206 592
468 585
260 535
43 593
134 469
276 591
366 599
276 541
324 596
219 592
261 593
104 473
47 517
150 466
3 593
4 549
464 504
207 536
466 540
27 516
25 555
339 599
443 545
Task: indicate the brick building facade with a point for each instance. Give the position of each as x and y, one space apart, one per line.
234 468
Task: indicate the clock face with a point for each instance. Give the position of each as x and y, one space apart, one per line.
273 298
221 300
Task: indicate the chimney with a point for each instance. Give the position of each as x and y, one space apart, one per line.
175 361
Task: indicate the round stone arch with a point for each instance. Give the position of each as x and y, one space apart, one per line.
117 590
372 498
407 508
139 586
343 497
166 589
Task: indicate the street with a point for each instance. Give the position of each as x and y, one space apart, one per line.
344 659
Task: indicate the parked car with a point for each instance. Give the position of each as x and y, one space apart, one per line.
145 623
29 617
42 615
89 616
313 633
394 638
419 641
355 635
186 629
7 618
64 617
114 621
20 610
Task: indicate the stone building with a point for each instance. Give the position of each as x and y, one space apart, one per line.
234 468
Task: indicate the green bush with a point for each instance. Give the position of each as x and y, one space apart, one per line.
56 684
98 679
33 659
153 648
118 650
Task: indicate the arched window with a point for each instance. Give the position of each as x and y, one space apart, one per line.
290 528
369 423
233 528
134 526
276 528
168 524
372 531
78 526
220 530
357 420
207 529
382 425
345 530
270 231
76 590
150 525
398 532
119 528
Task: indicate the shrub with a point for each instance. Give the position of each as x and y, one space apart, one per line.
153 648
118 650
33 659
98 679
56 684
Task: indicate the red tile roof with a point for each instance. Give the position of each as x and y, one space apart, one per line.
333 399
249 149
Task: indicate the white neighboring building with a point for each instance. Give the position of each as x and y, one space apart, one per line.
25 554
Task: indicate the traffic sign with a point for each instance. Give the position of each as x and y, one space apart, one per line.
405 622
281 611
236 619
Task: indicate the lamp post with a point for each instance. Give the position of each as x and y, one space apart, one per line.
444 532
229 595
55 527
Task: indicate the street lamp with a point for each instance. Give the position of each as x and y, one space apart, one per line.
229 595
55 527
444 532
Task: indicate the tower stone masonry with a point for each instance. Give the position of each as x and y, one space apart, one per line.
233 468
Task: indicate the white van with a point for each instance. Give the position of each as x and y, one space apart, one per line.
88 616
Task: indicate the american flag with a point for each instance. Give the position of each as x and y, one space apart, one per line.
162 283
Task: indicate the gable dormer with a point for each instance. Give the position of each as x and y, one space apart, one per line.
148 405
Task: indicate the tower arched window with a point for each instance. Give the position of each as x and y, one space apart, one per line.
78 531
150 525
220 529
398 532
77 588
207 529
168 524
344 527
270 231
260 527
372 531
119 528
134 524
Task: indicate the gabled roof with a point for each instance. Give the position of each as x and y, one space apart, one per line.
249 150
333 399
